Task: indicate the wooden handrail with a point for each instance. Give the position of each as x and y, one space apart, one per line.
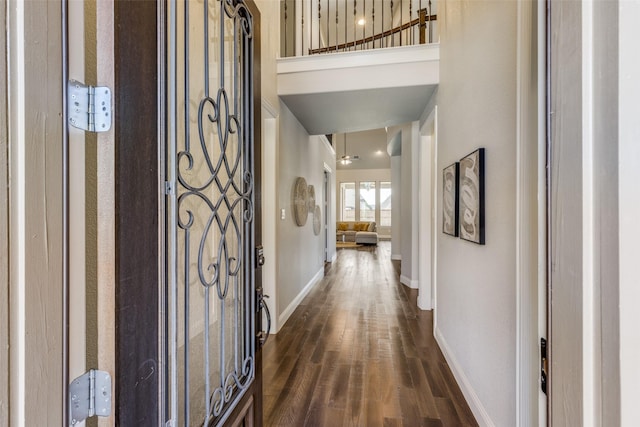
421 20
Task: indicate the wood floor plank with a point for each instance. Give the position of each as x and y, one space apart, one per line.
358 352
426 402
447 411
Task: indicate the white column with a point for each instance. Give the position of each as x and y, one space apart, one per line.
396 198
425 223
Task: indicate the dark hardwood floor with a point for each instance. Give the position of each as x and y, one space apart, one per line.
358 352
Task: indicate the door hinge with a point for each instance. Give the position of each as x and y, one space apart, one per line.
89 395
89 107
543 365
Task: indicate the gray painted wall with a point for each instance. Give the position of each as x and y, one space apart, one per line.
476 284
300 252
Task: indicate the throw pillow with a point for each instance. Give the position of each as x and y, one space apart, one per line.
342 226
372 226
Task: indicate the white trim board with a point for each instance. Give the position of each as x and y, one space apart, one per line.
396 257
413 284
270 109
481 415
284 316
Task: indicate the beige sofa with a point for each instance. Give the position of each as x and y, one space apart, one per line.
363 232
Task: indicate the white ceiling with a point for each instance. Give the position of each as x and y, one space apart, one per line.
333 112
370 145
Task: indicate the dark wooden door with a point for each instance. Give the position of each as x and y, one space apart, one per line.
188 216
137 282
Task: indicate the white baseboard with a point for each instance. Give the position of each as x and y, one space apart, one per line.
424 303
413 284
297 300
396 257
481 415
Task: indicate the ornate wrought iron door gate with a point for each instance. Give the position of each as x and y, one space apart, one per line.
210 210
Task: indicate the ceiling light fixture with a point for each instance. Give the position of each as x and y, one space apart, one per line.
346 159
361 22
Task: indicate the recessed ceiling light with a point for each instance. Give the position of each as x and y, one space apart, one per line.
379 152
361 22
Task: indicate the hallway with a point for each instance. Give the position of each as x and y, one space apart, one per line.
358 352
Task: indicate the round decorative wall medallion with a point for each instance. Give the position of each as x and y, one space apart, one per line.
311 198
317 220
300 201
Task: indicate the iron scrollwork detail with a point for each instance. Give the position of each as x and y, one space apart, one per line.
215 210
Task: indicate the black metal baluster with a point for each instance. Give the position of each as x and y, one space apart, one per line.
373 24
429 12
328 29
382 38
364 27
286 30
355 18
319 21
345 26
401 23
420 15
410 19
393 38
337 42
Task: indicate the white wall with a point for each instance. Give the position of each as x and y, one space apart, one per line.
476 284
396 203
300 252
360 175
629 211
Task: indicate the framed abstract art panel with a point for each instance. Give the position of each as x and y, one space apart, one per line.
471 197
450 200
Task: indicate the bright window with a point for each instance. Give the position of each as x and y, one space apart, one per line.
385 204
347 201
367 201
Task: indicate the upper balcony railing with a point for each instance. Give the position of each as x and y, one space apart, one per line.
311 27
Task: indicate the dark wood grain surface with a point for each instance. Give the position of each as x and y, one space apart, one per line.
136 206
358 352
